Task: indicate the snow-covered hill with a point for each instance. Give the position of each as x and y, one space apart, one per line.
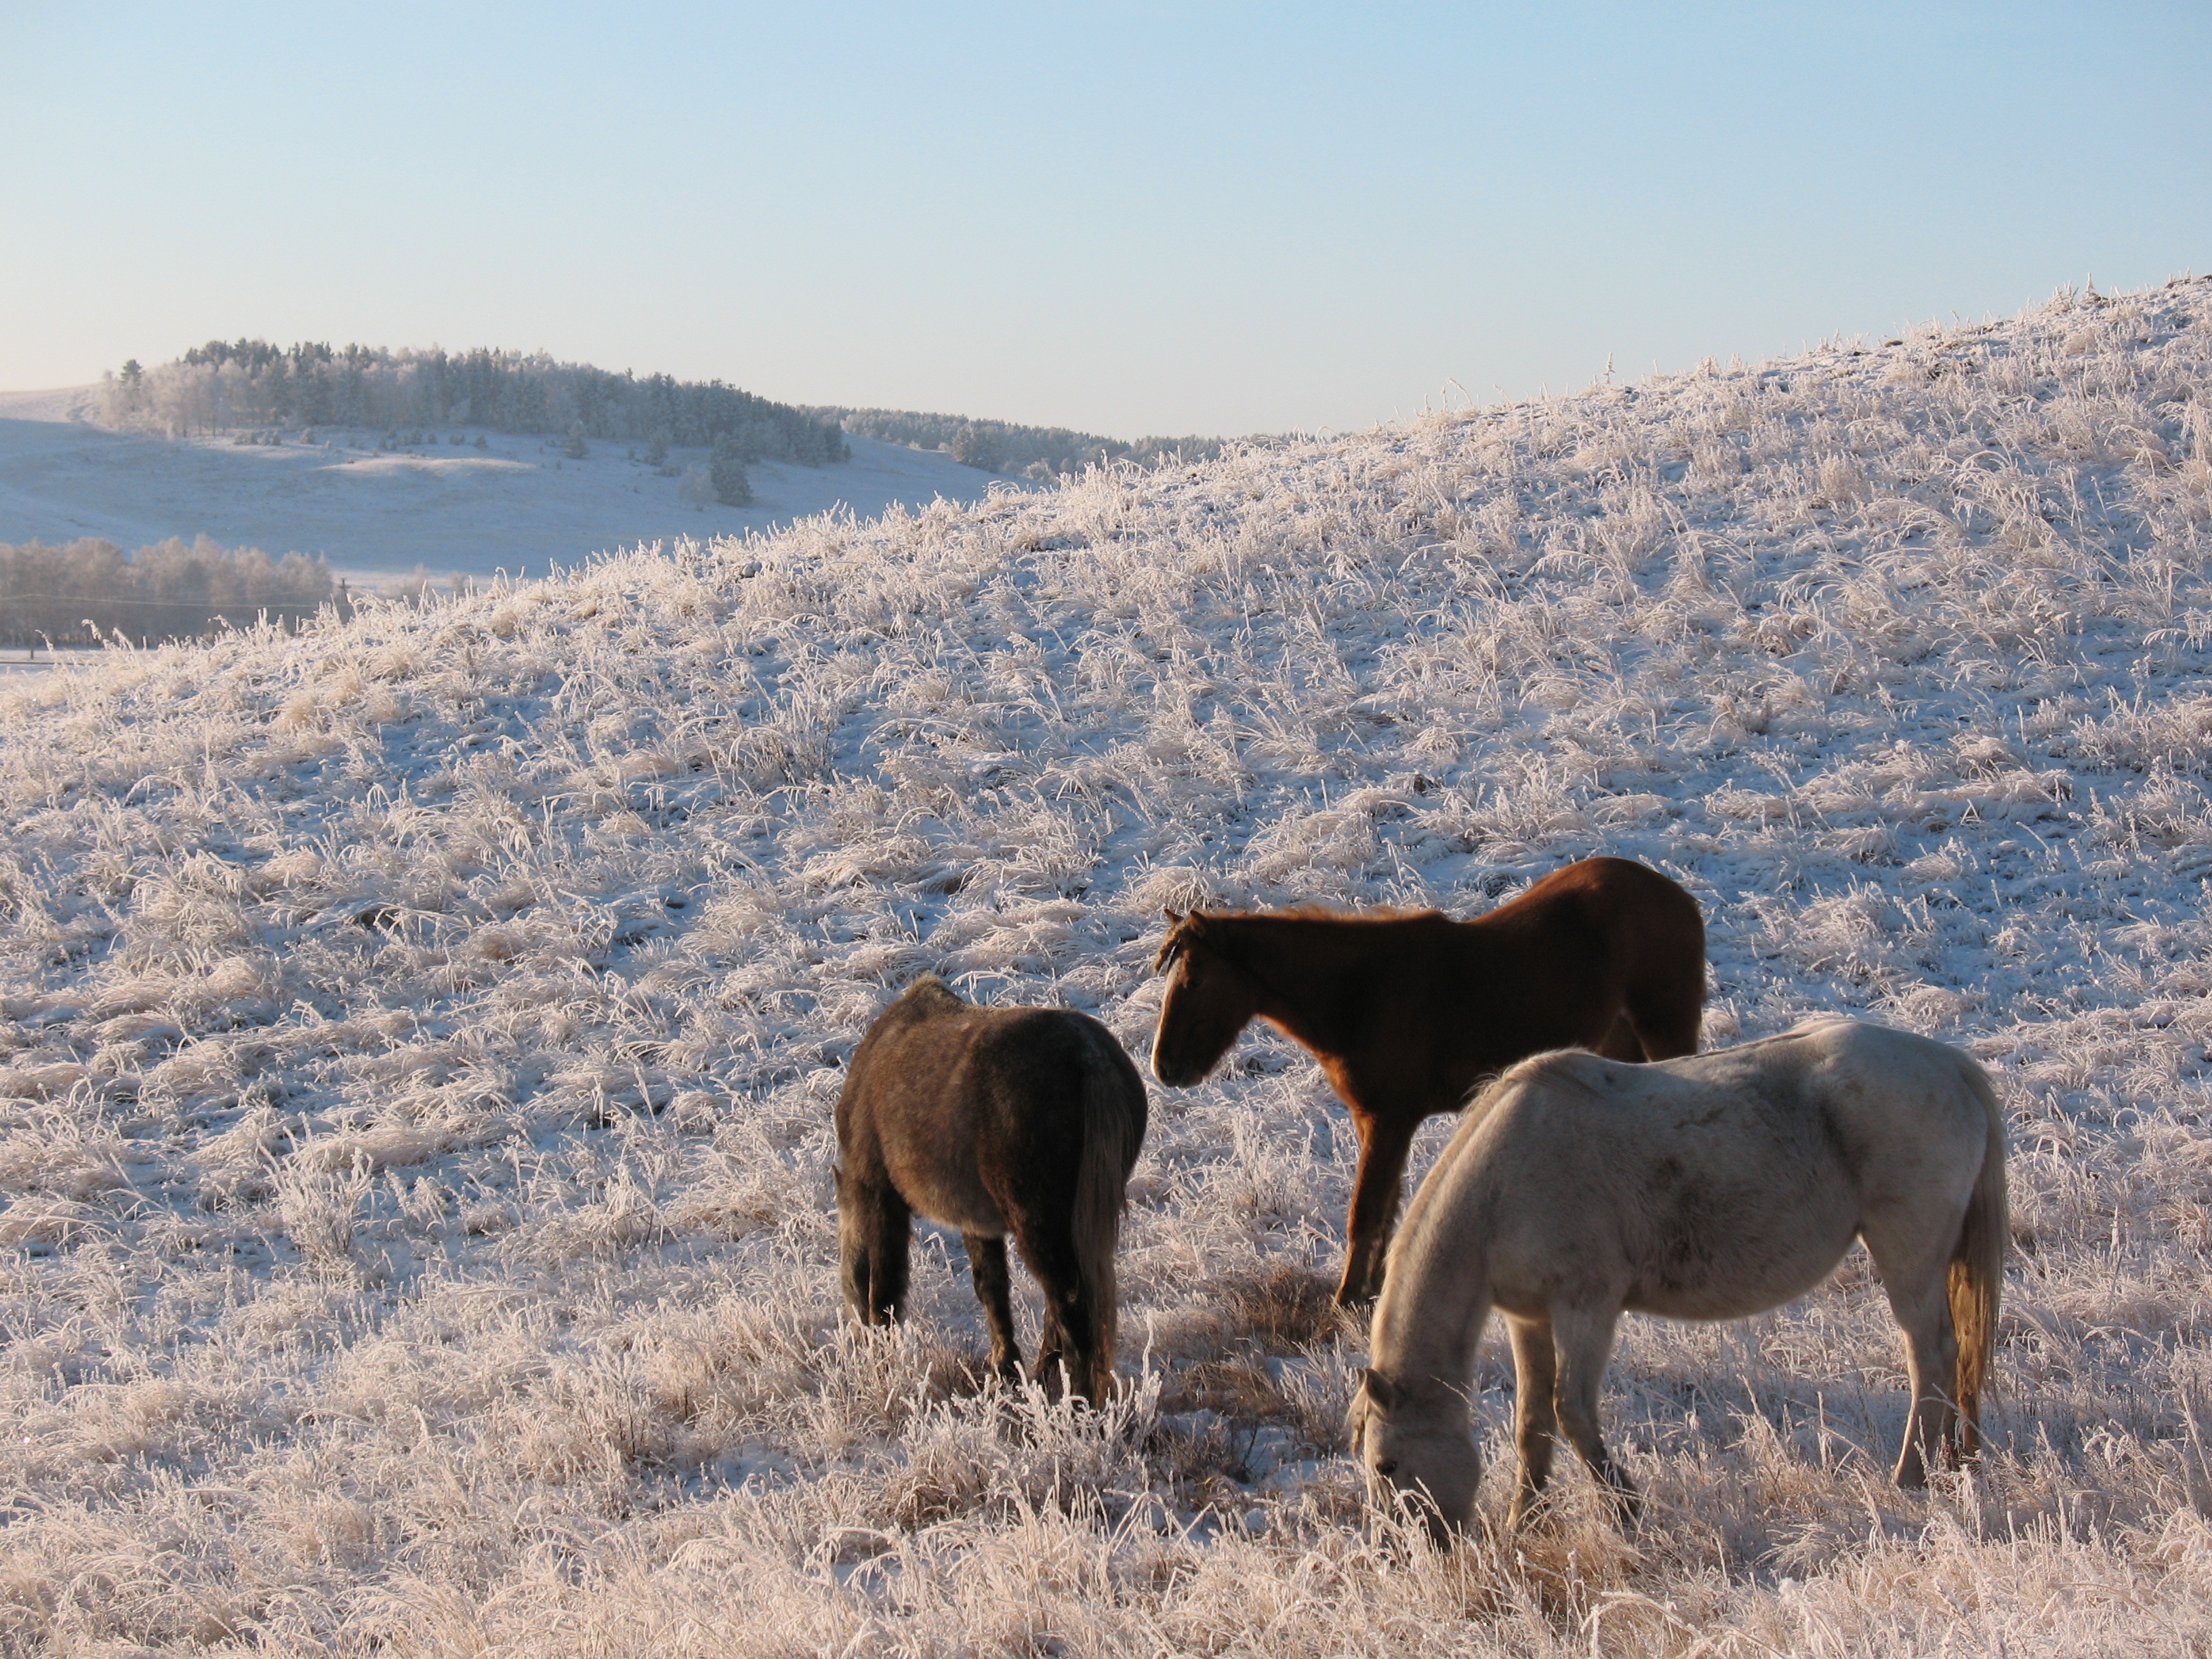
517 504
423 1034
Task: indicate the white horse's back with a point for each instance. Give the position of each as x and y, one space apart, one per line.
1711 1187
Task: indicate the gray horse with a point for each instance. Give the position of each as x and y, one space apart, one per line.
994 1120
1707 1187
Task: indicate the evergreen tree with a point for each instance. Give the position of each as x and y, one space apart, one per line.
973 446
224 385
726 471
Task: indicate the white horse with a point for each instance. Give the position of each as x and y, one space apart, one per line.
1707 1187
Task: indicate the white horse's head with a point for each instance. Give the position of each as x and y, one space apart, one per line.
1417 1443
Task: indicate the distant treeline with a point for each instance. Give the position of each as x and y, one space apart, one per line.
225 385
1042 453
91 590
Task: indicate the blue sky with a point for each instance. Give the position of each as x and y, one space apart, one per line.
1129 219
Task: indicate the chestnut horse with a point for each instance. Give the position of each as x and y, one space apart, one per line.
1407 1013
994 1120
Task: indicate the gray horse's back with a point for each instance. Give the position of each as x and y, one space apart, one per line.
946 1094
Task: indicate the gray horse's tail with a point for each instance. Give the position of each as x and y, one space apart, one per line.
1113 1113
1977 1278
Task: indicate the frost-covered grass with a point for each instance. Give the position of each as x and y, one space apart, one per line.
421 1035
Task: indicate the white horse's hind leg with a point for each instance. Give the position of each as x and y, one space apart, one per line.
1583 1338
1535 1376
1914 1273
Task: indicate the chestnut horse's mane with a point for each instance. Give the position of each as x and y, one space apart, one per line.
1201 927
1318 911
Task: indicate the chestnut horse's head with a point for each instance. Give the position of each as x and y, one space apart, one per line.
1209 1001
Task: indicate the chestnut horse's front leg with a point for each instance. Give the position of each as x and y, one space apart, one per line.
1383 1142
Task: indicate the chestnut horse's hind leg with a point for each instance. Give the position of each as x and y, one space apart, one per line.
875 1231
1383 1142
1621 1042
986 1265
1665 1019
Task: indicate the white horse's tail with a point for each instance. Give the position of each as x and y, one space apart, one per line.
1976 1279
1113 1113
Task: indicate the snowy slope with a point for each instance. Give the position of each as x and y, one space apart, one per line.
516 505
423 1034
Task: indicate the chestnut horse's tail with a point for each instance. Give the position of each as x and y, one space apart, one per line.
1113 1113
1659 928
1977 1278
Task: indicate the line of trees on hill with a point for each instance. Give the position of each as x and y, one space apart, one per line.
226 384
1042 453
91 590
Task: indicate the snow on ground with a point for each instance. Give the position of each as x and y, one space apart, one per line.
517 504
422 1036
23 660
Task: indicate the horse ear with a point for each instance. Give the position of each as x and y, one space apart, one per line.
1174 920
1378 1388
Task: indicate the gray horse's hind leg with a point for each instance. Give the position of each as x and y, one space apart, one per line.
1583 1338
1535 1421
986 1265
1915 1274
1070 1338
875 1229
